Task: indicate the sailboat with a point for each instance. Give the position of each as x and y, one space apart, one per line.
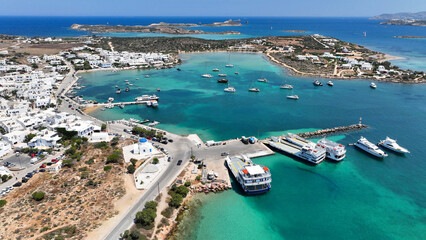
285 85
253 89
206 75
229 89
293 96
262 79
229 65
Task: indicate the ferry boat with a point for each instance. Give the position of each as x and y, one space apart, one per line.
118 91
369 147
286 86
216 70
317 83
391 144
335 151
306 152
146 98
253 178
222 75
206 75
262 80
254 90
330 83
229 89
373 85
293 97
222 80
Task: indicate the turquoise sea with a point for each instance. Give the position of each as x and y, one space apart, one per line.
359 198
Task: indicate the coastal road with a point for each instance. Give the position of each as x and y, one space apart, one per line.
180 149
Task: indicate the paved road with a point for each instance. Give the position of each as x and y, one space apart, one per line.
180 149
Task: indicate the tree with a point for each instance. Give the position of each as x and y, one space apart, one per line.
151 204
103 127
146 217
38 196
182 190
29 137
113 158
131 169
176 200
2 203
155 161
187 184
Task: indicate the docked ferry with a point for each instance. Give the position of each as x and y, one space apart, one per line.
335 151
369 147
253 178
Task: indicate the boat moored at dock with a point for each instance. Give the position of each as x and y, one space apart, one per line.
370 148
335 151
253 178
391 144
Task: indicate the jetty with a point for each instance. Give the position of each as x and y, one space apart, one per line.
334 130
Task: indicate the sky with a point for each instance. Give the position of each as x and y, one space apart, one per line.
291 8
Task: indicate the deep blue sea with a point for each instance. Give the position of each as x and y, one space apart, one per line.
379 37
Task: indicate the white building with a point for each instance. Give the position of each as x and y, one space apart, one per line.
54 168
44 139
5 148
143 147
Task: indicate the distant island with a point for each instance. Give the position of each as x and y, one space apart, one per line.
162 27
403 22
410 37
295 31
402 15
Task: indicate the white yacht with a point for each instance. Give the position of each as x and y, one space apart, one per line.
330 83
216 70
229 89
369 147
253 178
294 97
262 80
392 145
373 85
118 91
254 90
286 86
222 75
206 75
229 66
335 151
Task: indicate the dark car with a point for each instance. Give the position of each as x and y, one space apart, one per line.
29 175
179 162
18 184
24 179
169 159
170 140
42 170
164 142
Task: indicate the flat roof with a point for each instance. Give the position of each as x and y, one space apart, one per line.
253 170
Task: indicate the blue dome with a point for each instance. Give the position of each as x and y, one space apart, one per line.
143 140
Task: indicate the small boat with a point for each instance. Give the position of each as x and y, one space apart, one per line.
236 73
147 76
254 90
222 75
222 80
130 84
126 80
262 80
148 103
216 70
206 75
121 106
392 145
154 103
179 69
317 83
116 86
111 99
118 91
158 89
294 97
229 66
229 89
330 83
373 85
127 89
137 78
286 86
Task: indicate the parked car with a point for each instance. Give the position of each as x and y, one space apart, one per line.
170 140
169 159
224 154
24 179
42 170
179 162
54 160
43 166
18 184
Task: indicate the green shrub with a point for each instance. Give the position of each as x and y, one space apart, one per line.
187 184
113 158
38 196
176 200
146 217
151 204
90 161
131 169
155 161
101 145
107 168
2 203
182 190
167 212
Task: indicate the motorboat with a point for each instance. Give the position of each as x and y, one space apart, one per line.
391 144
229 89
370 148
286 86
222 75
373 85
216 70
118 91
148 103
236 73
330 83
179 69
154 103
254 90
222 80
147 76
127 89
229 66
294 97
317 83
262 80
116 86
206 75
158 89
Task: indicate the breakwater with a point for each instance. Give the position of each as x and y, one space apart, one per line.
334 130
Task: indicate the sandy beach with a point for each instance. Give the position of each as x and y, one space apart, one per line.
88 110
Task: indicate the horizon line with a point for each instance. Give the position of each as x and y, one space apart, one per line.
185 16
